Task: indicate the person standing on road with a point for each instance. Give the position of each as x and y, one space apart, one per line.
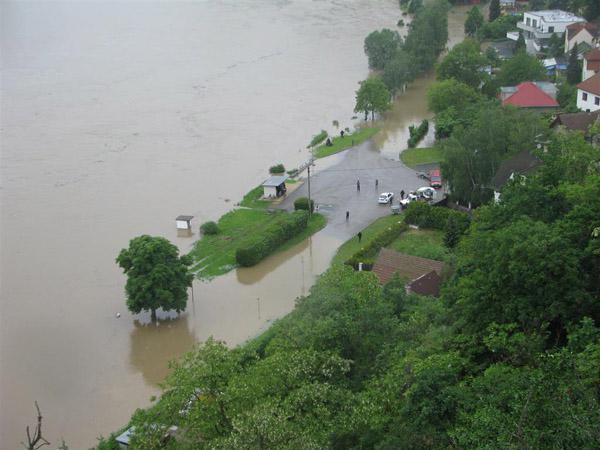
359 236
402 194
347 215
358 185
376 183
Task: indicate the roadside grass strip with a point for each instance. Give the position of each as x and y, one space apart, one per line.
412 157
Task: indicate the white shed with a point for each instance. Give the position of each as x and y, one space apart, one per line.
184 225
274 186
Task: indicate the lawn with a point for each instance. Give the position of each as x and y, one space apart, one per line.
415 156
342 143
423 243
215 255
352 246
252 199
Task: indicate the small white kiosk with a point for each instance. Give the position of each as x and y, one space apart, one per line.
184 225
274 186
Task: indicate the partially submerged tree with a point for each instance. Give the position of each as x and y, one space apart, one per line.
372 96
474 21
464 63
35 440
380 47
157 277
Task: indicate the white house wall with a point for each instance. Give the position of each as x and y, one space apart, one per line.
591 104
581 37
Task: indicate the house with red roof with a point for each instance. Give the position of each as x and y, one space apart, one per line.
580 33
588 94
536 95
591 64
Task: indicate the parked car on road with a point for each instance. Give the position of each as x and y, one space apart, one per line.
426 193
386 197
411 197
435 179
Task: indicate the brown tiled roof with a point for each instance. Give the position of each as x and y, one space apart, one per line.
522 163
575 28
428 284
580 121
592 84
409 267
593 55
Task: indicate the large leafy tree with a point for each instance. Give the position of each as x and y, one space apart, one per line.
381 46
463 63
157 277
372 96
474 21
521 67
399 71
451 93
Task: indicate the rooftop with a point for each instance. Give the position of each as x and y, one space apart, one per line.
593 55
409 267
522 163
556 15
575 28
530 95
184 218
428 284
275 180
591 85
580 121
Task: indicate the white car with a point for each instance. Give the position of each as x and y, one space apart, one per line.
428 193
409 198
386 197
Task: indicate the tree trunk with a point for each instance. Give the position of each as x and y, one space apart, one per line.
366 115
153 316
372 115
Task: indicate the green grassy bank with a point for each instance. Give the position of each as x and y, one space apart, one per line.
342 143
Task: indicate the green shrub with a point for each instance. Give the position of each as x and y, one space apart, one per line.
436 217
278 168
317 139
302 203
283 228
367 254
209 228
417 133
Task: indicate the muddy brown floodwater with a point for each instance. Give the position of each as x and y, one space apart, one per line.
116 118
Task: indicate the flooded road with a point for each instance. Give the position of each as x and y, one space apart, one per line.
116 118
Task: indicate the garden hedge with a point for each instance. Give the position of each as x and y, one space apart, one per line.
301 203
368 253
427 216
283 228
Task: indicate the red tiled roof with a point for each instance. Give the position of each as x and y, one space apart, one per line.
591 85
528 95
408 267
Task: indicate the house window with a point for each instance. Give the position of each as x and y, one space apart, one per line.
528 21
550 29
584 96
534 23
596 100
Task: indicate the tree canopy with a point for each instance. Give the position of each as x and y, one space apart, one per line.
474 21
464 63
521 67
372 96
157 277
381 46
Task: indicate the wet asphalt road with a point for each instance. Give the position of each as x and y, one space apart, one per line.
333 188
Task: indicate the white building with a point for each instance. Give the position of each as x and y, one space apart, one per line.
538 26
588 94
591 64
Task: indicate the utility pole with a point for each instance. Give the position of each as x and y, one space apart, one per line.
309 200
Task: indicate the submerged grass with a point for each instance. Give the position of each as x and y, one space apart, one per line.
215 255
342 143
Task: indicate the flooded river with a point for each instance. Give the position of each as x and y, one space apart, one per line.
116 118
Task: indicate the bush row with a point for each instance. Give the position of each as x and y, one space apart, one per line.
283 228
427 216
367 254
417 133
317 139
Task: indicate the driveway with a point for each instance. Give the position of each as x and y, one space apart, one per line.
333 188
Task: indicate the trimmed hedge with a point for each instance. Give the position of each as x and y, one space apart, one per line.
284 227
367 254
427 216
301 203
209 228
278 168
